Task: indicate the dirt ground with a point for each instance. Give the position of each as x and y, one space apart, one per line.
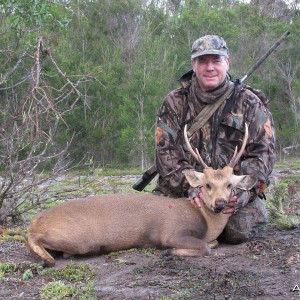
268 267
265 268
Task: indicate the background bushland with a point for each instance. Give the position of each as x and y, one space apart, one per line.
103 67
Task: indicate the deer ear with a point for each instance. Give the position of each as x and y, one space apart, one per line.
243 182
194 178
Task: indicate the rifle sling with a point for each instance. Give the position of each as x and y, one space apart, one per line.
208 111
198 122
227 108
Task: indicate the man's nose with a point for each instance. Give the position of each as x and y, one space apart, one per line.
210 65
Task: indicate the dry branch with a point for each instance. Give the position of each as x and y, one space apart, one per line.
32 113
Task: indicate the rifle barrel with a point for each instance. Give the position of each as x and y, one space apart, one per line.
264 57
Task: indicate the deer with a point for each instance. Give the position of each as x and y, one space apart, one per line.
102 224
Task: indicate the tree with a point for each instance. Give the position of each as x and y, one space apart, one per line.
134 51
32 108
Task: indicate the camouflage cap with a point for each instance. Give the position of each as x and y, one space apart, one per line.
209 44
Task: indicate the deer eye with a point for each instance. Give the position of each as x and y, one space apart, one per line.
208 187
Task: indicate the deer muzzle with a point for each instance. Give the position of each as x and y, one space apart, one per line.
220 205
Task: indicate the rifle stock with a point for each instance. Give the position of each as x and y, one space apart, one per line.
145 179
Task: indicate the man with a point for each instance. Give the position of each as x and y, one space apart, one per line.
216 140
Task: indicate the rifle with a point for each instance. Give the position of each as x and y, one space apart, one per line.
145 179
152 172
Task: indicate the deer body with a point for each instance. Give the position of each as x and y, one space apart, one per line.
103 224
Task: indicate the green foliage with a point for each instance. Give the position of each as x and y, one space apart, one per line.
33 13
70 281
27 274
59 290
24 270
282 203
7 268
72 272
16 234
135 52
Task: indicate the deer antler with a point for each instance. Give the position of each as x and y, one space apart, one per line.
236 156
197 155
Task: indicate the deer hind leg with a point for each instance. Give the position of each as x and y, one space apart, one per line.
213 244
36 247
187 246
186 252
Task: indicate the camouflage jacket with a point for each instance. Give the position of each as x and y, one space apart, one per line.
216 141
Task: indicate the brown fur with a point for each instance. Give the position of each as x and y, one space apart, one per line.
102 224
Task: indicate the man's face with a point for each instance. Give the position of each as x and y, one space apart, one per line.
210 70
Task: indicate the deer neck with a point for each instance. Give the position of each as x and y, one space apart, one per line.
215 223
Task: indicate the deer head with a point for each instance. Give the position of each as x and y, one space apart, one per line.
218 184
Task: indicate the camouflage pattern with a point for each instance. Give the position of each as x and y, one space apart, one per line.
209 44
245 223
171 157
215 146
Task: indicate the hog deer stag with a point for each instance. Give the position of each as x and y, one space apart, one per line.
107 223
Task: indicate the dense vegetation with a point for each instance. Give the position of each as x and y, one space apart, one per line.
81 80
126 55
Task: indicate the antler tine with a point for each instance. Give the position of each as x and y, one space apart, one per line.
201 160
235 152
197 156
235 158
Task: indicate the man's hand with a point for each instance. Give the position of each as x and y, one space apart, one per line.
198 200
230 209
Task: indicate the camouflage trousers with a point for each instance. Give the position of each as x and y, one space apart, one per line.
245 223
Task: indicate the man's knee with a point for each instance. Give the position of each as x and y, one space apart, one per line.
246 223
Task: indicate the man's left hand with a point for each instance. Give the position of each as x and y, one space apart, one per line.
230 209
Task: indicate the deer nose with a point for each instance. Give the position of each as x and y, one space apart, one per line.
219 205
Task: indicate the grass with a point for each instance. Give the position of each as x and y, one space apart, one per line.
13 234
118 172
107 171
59 290
76 185
7 268
23 271
76 281
283 196
72 272
73 281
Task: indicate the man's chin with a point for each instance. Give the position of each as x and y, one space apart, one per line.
210 87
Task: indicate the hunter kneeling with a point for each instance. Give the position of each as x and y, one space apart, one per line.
215 109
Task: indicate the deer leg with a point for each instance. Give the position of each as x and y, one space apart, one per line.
187 246
36 247
213 244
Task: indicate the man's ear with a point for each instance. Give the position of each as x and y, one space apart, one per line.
194 178
227 59
193 62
